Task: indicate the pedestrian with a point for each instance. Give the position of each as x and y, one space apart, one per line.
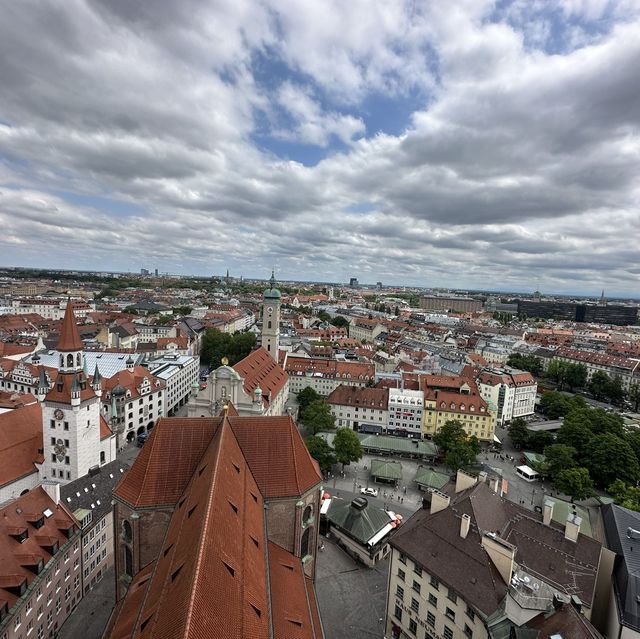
402 500
405 490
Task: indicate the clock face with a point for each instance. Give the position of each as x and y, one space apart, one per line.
60 449
58 414
270 310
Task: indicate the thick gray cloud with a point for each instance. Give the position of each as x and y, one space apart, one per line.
127 139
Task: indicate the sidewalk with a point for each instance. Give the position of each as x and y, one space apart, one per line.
91 615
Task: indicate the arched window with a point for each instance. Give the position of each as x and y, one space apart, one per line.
79 360
61 361
69 360
127 533
128 562
269 324
304 546
306 516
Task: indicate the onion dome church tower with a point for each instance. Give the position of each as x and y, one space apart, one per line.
70 412
271 319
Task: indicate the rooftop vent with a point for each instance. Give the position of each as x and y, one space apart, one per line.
632 533
359 503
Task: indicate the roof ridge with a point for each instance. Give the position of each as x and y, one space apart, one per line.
293 451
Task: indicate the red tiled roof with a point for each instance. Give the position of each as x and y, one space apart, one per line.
20 442
330 368
278 458
176 444
355 396
260 369
61 389
105 431
69 337
292 612
16 557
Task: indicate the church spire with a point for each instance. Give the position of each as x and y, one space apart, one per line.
69 335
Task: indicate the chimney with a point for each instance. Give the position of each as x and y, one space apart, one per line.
52 489
439 501
548 512
465 523
494 483
572 528
464 481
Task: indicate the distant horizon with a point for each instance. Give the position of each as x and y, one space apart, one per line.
452 290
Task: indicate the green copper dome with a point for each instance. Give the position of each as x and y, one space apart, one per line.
272 293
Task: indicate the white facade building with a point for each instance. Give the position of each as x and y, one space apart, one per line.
512 392
406 408
180 373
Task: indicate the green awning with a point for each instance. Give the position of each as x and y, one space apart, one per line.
386 469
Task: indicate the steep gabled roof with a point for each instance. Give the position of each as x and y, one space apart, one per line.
260 369
69 339
278 458
20 442
167 461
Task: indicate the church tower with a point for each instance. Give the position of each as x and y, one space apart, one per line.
70 412
271 319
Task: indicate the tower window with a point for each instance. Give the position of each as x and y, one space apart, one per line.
269 325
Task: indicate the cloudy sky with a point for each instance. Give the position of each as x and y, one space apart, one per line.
479 144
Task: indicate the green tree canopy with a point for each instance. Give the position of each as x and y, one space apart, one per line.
599 385
633 439
575 432
554 404
347 446
217 345
519 433
460 450
625 495
556 371
305 397
558 457
574 482
539 440
575 376
340 322
324 316
525 363
321 451
318 417
634 396
609 458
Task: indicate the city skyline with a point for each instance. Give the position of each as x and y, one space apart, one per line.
494 143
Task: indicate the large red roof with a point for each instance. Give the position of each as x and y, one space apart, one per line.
260 369
20 442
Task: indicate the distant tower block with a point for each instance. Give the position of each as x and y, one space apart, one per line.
271 319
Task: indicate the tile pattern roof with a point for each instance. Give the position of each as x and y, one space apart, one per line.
330 368
61 390
278 458
175 443
260 369
20 442
17 557
210 577
69 339
355 396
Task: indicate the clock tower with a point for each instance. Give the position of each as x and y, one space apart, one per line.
271 319
70 412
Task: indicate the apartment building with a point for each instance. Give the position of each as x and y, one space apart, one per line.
474 565
406 409
40 564
324 375
512 392
366 329
357 408
179 373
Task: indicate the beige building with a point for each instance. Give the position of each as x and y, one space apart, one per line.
460 304
468 564
355 407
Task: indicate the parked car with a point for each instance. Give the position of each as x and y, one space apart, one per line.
371 492
142 438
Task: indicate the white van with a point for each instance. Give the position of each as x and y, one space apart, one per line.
527 473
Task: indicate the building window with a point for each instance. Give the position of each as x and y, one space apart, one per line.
417 570
416 587
397 613
435 584
128 562
447 633
126 531
402 558
433 600
470 613
450 614
415 605
400 592
401 574
431 619
467 631
413 626
304 546
451 595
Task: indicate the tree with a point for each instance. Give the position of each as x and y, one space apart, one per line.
323 316
615 390
305 397
554 404
634 396
519 433
574 482
609 458
217 345
556 371
625 495
599 385
347 446
525 363
320 450
539 440
575 376
340 322
318 417
575 432
558 457
182 310
459 449
633 439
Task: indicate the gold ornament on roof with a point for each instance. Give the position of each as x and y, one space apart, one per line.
225 361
